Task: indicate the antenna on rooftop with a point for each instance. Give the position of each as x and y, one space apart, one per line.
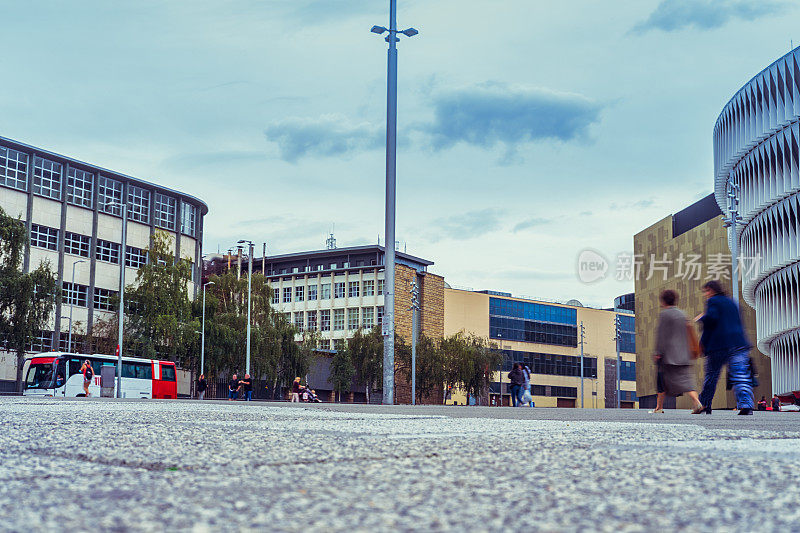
330 242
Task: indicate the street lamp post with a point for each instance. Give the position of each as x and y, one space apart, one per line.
203 332
731 221
617 328
122 257
72 305
414 334
249 285
391 167
583 337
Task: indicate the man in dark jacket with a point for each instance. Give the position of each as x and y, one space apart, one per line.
517 378
724 342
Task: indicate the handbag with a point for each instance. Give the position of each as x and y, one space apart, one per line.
694 342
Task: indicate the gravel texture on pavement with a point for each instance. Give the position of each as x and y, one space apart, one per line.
116 465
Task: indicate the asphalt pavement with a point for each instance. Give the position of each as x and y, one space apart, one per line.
117 465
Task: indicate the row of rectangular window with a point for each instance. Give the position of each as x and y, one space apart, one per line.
80 245
356 318
551 364
352 289
317 268
533 311
78 295
80 186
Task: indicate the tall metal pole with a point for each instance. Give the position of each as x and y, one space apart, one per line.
617 325
414 335
72 305
249 285
582 338
731 221
121 295
391 168
203 332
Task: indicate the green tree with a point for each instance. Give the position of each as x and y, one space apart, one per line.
26 300
226 326
366 353
342 372
470 362
158 307
431 369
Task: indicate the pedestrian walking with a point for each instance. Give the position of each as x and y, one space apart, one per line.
517 379
724 343
88 375
296 390
233 388
527 397
676 350
201 387
776 403
247 388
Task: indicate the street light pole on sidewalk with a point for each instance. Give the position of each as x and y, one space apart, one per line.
730 222
71 306
414 334
583 335
249 285
617 328
122 258
203 332
391 167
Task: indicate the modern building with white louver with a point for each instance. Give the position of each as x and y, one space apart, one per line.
757 148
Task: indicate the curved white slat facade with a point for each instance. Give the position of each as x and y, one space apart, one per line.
757 141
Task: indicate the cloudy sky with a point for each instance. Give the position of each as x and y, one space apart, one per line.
528 130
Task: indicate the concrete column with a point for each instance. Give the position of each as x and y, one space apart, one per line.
61 231
26 259
92 261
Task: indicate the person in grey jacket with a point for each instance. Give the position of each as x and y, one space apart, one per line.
673 355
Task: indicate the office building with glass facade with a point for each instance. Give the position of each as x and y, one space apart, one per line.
72 212
547 338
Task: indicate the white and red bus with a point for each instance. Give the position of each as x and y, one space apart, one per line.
59 374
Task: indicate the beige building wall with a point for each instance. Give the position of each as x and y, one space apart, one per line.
468 311
706 240
14 203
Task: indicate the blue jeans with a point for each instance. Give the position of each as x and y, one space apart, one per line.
738 361
249 395
516 391
232 394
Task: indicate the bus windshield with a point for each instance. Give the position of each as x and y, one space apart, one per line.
40 376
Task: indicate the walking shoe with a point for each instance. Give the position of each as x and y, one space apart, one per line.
746 412
700 410
656 411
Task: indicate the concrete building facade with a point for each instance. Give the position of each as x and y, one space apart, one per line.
71 210
756 154
546 336
682 252
337 291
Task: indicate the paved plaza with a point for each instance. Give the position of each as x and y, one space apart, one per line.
94 464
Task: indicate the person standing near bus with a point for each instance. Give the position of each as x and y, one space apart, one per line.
201 387
88 375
